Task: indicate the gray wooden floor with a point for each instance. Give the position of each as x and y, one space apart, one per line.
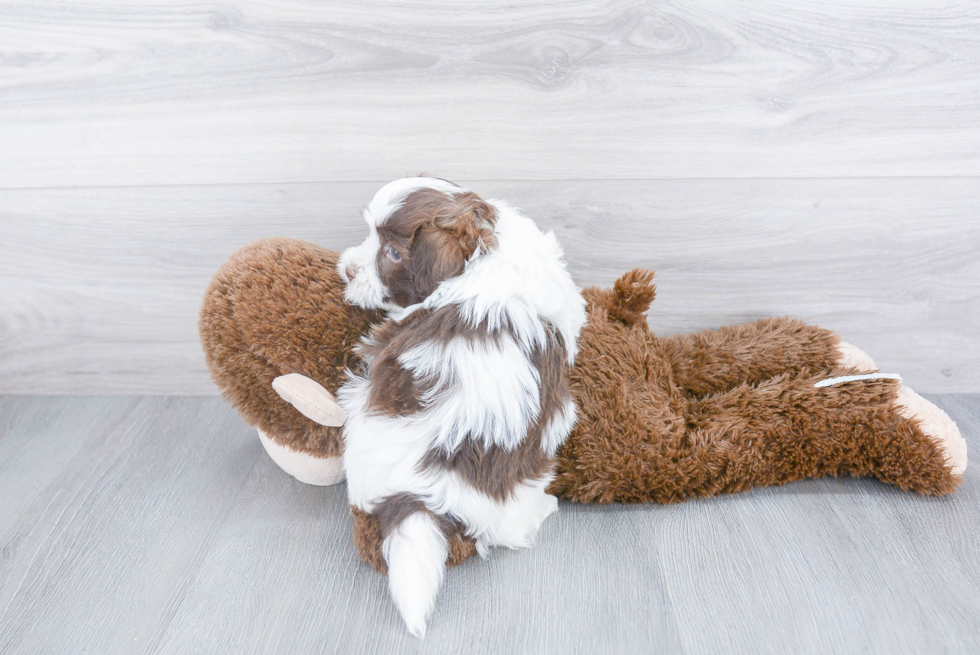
158 525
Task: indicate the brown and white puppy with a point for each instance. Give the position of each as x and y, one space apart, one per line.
463 398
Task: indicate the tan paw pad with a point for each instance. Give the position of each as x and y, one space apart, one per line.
854 357
937 424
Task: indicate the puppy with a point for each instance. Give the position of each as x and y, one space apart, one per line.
463 398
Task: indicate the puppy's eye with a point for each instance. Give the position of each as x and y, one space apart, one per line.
393 254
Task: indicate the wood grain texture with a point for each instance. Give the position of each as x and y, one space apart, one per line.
105 93
158 525
100 288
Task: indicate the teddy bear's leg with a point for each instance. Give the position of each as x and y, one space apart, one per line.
276 308
717 360
789 429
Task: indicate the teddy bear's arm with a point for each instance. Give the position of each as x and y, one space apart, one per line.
713 361
310 399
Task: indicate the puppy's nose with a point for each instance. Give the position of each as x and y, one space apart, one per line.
351 272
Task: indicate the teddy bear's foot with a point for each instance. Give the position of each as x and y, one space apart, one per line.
854 357
319 471
937 425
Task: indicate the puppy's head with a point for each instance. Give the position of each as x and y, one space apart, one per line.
422 231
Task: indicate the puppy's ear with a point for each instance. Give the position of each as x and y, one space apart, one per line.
441 247
470 221
436 256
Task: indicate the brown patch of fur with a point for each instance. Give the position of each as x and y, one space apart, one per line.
435 234
553 370
394 390
394 509
491 469
368 539
277 307
391 511
497 471
470 220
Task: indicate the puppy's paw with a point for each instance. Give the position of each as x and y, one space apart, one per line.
547 507
853 357
937 425
528 519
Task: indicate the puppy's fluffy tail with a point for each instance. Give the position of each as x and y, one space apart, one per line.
416 555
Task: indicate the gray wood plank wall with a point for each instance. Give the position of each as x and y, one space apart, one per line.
767 158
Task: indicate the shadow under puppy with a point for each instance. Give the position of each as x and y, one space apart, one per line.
462 398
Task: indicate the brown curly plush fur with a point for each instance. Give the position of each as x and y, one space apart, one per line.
666 419
277 307
660 419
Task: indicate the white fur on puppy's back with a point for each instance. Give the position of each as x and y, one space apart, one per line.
482 393
416 556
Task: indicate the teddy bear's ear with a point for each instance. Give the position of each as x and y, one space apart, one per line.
632 295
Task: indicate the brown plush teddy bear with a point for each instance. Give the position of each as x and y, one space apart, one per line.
660 419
